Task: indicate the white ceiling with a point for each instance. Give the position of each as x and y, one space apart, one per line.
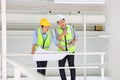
49 5
18 12
80 1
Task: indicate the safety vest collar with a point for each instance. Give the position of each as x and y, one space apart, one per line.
41 42
69 38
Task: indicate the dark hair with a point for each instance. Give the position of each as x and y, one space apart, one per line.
62 19
42 26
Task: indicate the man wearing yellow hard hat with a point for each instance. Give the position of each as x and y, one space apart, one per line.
42 37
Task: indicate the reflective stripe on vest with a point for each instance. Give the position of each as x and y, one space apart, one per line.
69 38
40 40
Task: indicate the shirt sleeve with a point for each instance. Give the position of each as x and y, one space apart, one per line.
35 37
76 36
53 37
75 33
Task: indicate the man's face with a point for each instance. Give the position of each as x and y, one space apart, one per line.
62 23
45 29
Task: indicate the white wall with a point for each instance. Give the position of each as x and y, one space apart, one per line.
113 21
33 18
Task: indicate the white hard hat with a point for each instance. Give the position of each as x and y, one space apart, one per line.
59 17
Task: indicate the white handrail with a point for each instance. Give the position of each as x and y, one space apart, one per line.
29 70
76 53
89 67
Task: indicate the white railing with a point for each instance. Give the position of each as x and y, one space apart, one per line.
20 67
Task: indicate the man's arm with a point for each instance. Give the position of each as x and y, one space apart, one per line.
33 49
61 35
54 39
34 42
60 46
75 37
73 41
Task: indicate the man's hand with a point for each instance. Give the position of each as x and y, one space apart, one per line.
61 35
72 42
32 53
64 33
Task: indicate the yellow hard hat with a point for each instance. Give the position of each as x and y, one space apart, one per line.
44 22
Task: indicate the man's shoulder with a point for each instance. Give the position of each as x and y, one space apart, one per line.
70 26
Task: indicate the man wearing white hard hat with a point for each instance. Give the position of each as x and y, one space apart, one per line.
67 38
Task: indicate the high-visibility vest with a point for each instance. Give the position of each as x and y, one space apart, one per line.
41 42
69 38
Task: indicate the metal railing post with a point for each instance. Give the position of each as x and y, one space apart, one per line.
4 41
102 67
17 75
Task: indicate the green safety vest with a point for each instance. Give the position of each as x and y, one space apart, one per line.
69 38
41 41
